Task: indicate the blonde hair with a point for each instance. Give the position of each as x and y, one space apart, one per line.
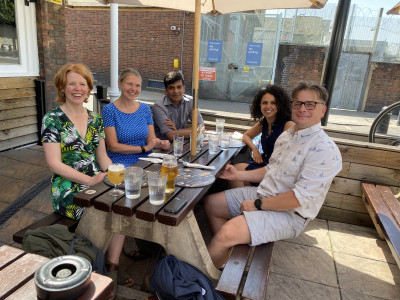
126 72
60 79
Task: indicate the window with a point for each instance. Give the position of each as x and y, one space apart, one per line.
18 44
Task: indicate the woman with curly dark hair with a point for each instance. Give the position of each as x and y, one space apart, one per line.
271 108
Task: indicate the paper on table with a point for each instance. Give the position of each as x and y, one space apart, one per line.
199 166
158 155
152 160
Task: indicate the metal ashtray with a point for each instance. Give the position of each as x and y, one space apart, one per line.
64 277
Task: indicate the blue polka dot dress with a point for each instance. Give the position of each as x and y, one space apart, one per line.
131 130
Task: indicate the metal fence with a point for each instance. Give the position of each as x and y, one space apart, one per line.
368 32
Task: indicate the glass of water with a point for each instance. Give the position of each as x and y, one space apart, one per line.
178 145
157 183
133 182
225 140
213 143
219 125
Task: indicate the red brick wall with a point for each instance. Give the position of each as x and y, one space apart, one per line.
297 63
384 88
50 21
146 42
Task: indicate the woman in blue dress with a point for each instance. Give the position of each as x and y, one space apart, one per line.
271 108
128 123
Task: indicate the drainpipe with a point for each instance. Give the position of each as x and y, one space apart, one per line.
114 91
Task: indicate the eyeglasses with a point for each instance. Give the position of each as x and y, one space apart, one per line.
309 105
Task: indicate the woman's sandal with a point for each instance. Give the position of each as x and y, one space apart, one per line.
131 250
112 270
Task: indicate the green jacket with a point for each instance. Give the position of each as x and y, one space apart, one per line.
55 240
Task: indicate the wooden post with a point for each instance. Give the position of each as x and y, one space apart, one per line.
196 57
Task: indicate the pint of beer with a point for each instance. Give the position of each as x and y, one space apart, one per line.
170 167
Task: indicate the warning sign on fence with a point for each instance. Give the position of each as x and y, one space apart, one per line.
206 73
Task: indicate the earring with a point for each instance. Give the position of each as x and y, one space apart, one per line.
63 95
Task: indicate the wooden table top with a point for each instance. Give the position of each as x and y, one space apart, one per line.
141 207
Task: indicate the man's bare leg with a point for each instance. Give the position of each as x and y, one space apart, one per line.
217 211
234 232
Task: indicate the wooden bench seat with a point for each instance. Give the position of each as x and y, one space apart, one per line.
384 210
54 218
246 273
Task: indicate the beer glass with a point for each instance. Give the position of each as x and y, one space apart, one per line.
170 168
116 176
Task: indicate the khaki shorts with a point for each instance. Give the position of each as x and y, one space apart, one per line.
264 225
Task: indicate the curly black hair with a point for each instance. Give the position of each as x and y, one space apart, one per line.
282 103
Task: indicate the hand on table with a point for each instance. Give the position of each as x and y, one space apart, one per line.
163 144
229 173
96 179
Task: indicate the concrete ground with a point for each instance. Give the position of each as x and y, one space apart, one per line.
329 260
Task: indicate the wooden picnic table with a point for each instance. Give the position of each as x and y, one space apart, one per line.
179 233
17 269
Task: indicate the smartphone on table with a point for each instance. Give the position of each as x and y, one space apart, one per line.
175 205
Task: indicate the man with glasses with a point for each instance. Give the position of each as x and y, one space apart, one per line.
292 186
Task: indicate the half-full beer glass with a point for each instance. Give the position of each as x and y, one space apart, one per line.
115 174
170 168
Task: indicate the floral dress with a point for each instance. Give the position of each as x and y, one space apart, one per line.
76 152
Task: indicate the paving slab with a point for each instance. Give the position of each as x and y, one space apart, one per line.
286 288
42 203
315 234
367 276
24 171
11 188
350 295
28 155
19 220
359 241
304 262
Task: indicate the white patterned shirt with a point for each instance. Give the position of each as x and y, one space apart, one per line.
306 163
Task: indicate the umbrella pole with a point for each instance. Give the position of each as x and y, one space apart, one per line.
196 58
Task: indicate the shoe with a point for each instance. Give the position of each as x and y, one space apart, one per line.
137 255
112 270
131 250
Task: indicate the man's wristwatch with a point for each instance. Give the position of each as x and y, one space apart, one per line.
258 203
143 150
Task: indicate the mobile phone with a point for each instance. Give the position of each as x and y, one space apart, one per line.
175 205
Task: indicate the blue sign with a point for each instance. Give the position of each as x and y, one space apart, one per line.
214 52
253 55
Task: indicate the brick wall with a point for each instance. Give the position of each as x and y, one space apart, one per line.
146 42
50 21
384 88
297 63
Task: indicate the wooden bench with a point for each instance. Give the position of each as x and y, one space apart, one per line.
245 275
384 209
17 269
54 218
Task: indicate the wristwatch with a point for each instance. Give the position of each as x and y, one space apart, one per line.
143 150
258 203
